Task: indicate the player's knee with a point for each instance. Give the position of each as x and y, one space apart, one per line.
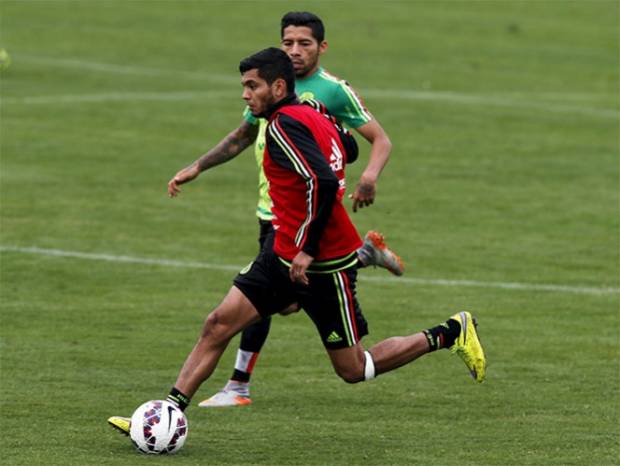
213 331
359 370
210 323
350 374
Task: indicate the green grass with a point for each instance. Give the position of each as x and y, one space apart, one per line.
504 119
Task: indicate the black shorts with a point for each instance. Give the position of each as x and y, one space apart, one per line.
329 299
265 229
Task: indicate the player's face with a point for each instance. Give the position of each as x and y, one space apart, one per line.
303 49
257 93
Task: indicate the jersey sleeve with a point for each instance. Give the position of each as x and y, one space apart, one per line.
292 146
348 107
247 116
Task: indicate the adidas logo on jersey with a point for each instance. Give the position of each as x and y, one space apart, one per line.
334 338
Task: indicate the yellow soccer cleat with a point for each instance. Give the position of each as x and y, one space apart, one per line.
122 424
468 346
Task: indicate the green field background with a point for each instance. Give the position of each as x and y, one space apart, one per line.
502 197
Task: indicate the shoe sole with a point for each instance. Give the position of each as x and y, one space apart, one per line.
118 429
474 372
240 401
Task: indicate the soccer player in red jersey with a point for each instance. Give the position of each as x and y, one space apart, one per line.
302 37
311 258
311 261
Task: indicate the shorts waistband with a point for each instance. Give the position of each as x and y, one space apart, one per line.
329 266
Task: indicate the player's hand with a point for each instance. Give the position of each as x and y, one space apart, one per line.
184 176
300 264
364 194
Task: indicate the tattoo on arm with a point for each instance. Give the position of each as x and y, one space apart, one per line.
229 147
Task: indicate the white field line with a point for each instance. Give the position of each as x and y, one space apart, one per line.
508 100
492 100
203 76
235 268
450 97
119 97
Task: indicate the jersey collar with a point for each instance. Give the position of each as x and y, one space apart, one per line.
308 78
288 100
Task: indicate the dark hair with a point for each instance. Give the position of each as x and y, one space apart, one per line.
272 64
303 18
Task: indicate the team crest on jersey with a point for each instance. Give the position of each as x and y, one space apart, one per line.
306 96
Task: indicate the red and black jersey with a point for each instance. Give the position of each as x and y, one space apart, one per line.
305 156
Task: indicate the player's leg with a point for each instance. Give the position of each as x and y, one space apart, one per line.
252 340
332 304
253 337
236 392
375 252
226 320
354 364
458 334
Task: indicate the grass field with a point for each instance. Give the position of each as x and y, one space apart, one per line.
502 196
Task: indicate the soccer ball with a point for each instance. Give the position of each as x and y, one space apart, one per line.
158 427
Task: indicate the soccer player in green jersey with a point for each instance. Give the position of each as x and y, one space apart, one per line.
303 39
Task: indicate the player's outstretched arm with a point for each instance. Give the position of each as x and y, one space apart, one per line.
228 148
366 189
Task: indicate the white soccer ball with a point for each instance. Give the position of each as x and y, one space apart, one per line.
158 427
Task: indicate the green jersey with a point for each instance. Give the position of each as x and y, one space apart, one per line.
341 101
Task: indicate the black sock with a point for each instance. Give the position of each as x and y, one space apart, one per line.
179 399
444 335
240 376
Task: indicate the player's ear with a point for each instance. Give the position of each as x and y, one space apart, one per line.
322 47
279 88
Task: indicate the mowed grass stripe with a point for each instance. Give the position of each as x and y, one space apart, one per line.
495 100
430 96
231 267
98 67
96 98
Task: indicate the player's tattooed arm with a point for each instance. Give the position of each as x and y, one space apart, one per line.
228 148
